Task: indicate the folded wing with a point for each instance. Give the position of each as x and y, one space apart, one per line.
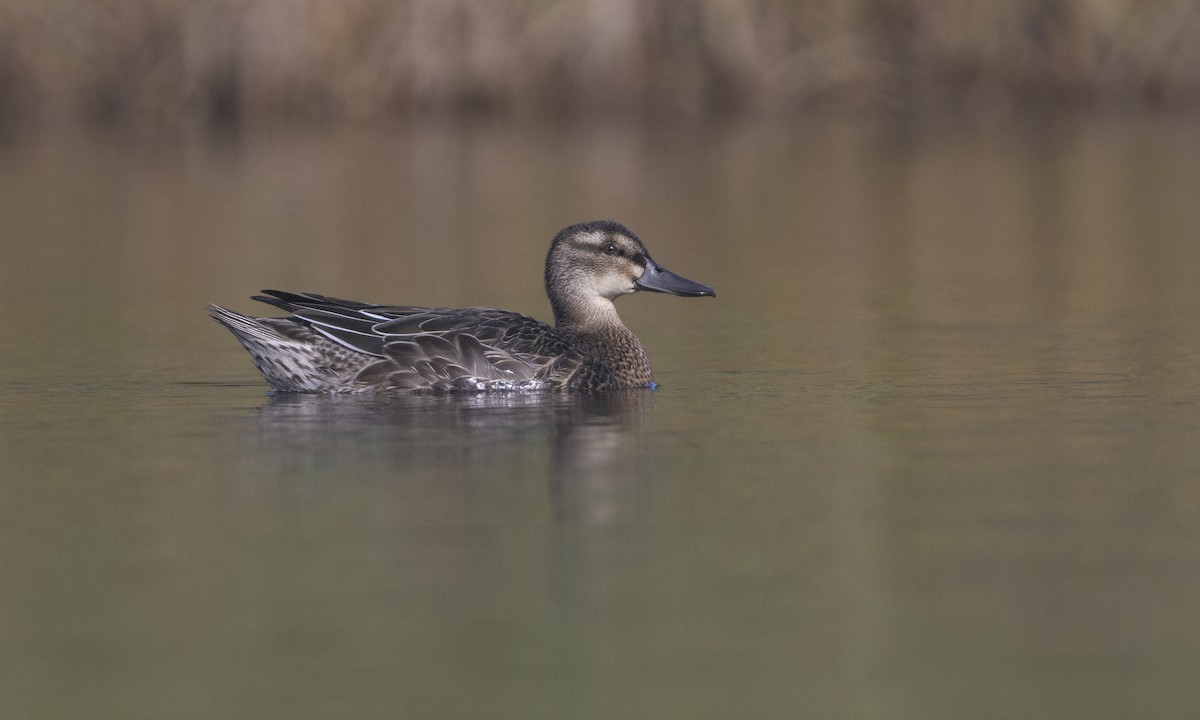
437 348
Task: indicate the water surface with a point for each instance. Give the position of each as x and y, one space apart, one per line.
931 452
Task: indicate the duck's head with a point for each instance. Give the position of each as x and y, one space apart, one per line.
591 264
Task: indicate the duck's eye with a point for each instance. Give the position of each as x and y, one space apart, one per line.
611 249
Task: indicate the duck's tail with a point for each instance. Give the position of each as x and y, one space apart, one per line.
288 354
247 329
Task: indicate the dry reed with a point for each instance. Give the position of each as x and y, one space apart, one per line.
220 61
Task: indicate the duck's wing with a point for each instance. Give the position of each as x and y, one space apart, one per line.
420 346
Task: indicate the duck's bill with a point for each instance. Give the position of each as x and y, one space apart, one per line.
659 279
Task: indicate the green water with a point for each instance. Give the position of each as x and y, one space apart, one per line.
931 452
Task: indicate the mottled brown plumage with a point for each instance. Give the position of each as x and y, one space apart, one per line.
332 345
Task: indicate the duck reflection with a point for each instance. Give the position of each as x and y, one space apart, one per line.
598 469
590 446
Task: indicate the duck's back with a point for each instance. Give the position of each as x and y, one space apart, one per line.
472 349
330 344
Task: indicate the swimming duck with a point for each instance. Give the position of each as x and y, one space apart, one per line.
332 345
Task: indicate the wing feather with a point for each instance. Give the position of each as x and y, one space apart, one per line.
447 348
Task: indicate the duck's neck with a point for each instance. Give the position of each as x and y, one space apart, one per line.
579 313
596 330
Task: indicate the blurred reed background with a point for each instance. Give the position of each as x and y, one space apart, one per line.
215 62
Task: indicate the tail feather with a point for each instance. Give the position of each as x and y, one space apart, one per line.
245 328
290 355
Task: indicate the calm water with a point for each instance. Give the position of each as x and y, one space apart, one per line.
932 452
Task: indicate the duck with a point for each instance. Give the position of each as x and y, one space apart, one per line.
329 345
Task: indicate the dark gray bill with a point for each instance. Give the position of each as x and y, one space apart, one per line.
659 279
